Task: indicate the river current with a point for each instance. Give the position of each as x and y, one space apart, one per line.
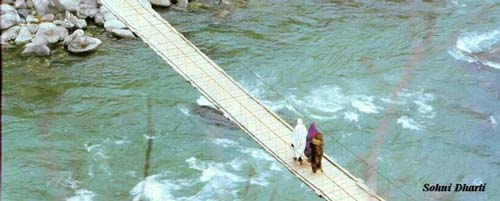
411 87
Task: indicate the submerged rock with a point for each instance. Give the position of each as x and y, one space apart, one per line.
24 36
216 117
9 16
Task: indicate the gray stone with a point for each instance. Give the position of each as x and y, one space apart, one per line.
160 2
31 19
123 33
41 6
113 24
24 36
83 44
9 16
8 1
10 34
75 34
20 4
51 32
29 4
47 18
215 117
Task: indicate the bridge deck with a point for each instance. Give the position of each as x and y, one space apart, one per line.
254 118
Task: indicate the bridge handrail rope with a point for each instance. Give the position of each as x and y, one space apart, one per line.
220 87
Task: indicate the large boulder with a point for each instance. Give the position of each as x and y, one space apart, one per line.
37 47
10 34
114 24
41 6
160 2
51 32
83 44
24 36
9 16
123 33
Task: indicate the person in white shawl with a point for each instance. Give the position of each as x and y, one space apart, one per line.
299 137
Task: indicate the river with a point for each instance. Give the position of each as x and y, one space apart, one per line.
402 85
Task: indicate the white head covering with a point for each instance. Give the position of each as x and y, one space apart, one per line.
299 121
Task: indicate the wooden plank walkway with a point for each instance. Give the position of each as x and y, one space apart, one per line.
254 118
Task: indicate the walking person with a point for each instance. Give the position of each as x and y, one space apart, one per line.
317 146
299 136
313 131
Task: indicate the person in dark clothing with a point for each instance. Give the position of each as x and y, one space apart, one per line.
317 146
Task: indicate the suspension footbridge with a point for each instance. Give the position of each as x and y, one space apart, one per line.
254 118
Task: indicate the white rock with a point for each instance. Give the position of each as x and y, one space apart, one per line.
41 6
9 16
20 4
87 11
67 5
24 36
113 24
10 34
36 49
31 19
123 33
99 19
75 34
79 23
51 32
83 44
23 12
160 2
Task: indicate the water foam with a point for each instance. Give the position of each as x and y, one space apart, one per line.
152 189
408 123
82 195
351 116
470 44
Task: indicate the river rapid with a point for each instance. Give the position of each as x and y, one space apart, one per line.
413 88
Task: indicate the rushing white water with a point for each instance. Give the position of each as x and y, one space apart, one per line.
82 195
471 45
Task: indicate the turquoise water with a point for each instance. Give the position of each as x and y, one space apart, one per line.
395 82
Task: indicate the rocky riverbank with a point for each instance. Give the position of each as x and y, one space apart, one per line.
38 26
